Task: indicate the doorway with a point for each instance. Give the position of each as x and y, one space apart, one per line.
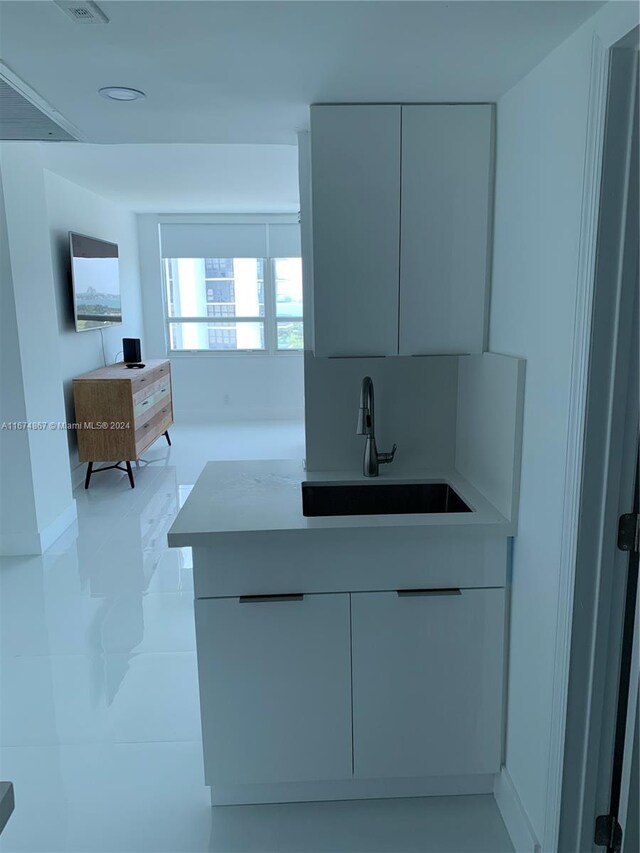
603 679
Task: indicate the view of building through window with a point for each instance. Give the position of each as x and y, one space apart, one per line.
234 304
288 291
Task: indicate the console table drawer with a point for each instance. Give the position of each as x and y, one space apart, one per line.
142 382
152 428
143 405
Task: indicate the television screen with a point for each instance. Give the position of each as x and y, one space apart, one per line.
95 282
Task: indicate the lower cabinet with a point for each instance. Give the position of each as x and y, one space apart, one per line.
275 688
427 682
360 686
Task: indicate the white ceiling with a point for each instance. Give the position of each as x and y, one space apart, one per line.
247 71
183 178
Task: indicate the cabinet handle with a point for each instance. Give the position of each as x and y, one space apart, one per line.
254 599
413 593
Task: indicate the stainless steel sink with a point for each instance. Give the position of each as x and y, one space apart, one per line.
321 499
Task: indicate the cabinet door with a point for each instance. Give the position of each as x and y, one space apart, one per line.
447 191
275 689
427 683
355 170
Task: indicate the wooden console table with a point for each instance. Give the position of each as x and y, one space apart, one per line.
120 412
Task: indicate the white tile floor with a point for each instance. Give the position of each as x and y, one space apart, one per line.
99 714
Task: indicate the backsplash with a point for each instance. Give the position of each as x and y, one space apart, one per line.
445 413
415 407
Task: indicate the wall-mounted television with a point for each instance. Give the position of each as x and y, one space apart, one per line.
95 283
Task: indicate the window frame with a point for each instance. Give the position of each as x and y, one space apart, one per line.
269 320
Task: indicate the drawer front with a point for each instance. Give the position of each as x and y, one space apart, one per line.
163 371
349 560
149 399
145 391
141 383
142 402
151 429
149 377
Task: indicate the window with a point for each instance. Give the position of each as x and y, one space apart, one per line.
234 304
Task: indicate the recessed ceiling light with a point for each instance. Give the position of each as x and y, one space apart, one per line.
120 93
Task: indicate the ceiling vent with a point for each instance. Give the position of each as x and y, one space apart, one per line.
83 11
25 116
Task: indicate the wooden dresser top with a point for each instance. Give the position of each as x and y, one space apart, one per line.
120 371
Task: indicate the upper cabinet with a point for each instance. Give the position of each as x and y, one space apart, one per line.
401 200
447 181
355 186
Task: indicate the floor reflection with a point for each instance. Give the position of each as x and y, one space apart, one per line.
99 710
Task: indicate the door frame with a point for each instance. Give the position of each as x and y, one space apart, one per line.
574 730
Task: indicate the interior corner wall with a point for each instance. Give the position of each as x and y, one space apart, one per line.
218 387
541 133
489 427
73 208
29 251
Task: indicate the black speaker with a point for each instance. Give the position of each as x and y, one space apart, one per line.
131 350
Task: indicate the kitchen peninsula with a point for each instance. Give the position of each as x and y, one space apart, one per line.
346 656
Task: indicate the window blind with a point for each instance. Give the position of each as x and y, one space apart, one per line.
230 240
284 241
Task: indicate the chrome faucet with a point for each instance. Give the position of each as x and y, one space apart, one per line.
366 426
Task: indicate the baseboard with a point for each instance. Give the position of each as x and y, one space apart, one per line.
351 789
514 815
28 544
196 417
78 474
54 530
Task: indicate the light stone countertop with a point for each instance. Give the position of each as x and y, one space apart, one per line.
265 496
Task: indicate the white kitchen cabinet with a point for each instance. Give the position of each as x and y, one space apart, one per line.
427 674
447 189
275 688
355 155
401 200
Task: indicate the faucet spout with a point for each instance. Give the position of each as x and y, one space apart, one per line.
365 412
366 426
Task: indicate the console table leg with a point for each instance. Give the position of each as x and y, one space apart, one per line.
166 435
130 473
88 477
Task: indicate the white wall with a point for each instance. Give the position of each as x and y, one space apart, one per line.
18 521
237 388
73 208
215 387
541 133
489 427
29 252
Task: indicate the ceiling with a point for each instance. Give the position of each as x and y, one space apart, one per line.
183 178
246 72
